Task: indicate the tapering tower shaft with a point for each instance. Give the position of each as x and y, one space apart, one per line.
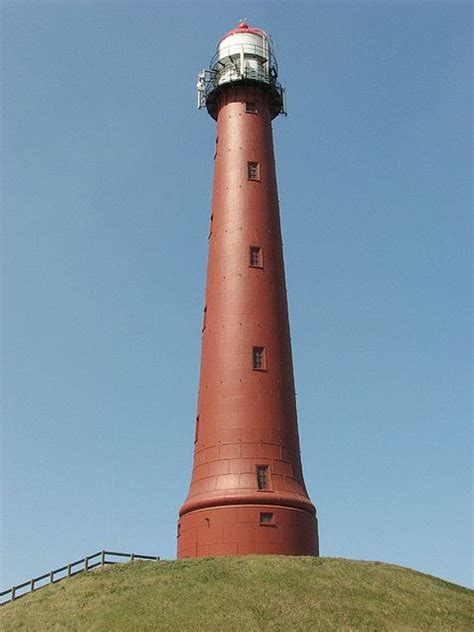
247 493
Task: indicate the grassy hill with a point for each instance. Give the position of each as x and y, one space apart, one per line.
255 593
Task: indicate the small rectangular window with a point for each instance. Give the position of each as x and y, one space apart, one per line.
253 171
266 518
256 259
204 319
251 107
262 478
259 358
196 432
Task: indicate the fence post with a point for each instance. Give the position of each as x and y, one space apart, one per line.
13 593
51 577
132 556
86 563
69 570
32 585
102 558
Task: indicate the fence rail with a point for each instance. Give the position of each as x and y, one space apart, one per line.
102 558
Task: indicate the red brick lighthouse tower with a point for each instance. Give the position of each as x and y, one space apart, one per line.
247 492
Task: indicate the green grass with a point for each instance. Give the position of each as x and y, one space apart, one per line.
254 593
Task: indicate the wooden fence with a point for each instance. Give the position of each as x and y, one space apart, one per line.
102 558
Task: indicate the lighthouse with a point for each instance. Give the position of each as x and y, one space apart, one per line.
247 493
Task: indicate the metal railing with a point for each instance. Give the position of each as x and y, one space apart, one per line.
233 52
231 64
232 72
102 558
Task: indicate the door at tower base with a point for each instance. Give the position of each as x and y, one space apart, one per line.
247 492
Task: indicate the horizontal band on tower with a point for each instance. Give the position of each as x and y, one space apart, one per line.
261 499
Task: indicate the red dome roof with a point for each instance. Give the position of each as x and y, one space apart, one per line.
245 28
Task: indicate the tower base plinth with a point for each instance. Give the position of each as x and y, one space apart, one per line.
247 530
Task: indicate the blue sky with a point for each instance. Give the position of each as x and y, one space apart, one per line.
106 184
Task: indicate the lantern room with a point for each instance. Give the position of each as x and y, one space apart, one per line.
244 54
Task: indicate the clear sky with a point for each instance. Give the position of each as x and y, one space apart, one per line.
106 178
